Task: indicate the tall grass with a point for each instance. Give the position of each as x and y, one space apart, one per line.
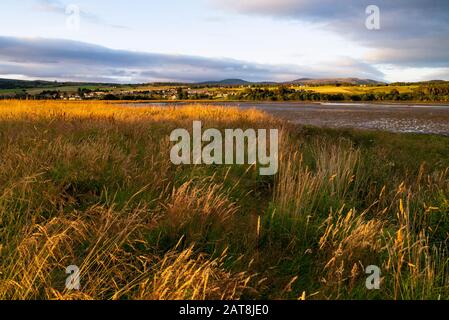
91 184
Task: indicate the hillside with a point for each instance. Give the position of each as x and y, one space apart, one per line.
226 82
334 81
31 84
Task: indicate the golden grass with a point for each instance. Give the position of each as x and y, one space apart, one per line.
45 172
29 110
349 244
299 189
349 240
91 184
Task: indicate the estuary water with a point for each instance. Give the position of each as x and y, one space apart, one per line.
412 118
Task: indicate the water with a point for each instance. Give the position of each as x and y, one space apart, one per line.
426 119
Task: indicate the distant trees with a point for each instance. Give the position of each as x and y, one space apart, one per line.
425 93
181 94
23 94
110 96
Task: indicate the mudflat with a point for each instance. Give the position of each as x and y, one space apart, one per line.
426 119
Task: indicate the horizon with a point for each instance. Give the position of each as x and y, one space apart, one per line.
222 80
212 40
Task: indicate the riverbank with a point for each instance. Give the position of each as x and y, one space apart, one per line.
422 119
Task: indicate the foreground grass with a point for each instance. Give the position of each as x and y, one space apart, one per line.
91 184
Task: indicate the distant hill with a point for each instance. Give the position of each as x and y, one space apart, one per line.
334 81
226 82
30 84
304 81
23 84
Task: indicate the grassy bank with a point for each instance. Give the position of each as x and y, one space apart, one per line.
91 184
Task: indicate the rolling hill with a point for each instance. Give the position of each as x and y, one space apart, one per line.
335 81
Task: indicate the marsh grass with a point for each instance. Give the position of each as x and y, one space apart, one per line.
91 184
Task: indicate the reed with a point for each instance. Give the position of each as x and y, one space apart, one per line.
91 184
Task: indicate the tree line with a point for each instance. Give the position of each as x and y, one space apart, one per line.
428 93
433 92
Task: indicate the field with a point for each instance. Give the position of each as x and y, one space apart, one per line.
213 90
91 184
358 89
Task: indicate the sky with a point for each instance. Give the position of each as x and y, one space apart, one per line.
199 40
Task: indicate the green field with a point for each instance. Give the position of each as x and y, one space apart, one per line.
357 89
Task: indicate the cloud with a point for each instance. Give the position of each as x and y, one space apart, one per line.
58 7
414 33
58 59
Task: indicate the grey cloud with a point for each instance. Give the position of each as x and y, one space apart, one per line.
73 60
413 32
